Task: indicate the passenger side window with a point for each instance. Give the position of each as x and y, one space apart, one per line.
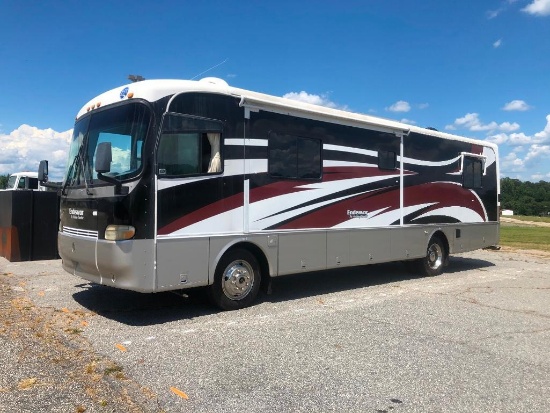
187 146
33 183
294 157
472 172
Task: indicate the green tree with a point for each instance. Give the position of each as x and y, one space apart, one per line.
4 181
525 198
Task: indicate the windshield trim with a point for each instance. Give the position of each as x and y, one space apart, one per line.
76 178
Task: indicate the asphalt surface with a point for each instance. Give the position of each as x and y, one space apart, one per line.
369 339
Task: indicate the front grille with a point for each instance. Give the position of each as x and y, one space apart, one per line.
80 232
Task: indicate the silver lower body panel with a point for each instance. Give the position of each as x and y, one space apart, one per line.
122 264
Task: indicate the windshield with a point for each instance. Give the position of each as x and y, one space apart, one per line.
124 126
11 181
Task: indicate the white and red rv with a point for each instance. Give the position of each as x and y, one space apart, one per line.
172 184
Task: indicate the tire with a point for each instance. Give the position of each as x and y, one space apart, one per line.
236 280
434 261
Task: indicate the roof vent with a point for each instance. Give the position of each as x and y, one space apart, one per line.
214 81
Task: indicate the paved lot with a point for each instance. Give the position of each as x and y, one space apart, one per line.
371 339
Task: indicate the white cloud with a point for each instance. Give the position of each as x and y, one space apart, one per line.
423 105
539 176
499 138
511 163
321 100
408 121
491 14
538 8
26 146
497 44
508 127
519 139
516 139
536 152
518 105
472 122
399 106
544 135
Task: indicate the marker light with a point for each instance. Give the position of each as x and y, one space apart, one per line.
130 95
98 104
119 232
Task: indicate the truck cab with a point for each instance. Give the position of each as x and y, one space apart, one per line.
23 180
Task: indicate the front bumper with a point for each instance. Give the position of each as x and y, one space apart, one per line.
122 264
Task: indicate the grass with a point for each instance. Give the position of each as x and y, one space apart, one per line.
532 238
530 218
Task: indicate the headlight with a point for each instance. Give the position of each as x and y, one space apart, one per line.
119 232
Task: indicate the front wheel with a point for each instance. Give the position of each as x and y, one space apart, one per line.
436 255
236 280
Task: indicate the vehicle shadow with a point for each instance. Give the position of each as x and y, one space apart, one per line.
142 309
331 281
138 309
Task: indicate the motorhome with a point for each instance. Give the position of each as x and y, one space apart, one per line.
173 184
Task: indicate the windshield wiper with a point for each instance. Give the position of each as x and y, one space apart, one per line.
69 173
88 192
77 158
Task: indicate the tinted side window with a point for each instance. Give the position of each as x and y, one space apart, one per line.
472 172
33 183
309 158
178 154
294 157
189 146
387 160
282 156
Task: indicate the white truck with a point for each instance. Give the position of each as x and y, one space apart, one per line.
24 180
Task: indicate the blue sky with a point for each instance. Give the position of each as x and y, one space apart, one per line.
474 68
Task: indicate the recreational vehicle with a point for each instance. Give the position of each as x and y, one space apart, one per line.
172 184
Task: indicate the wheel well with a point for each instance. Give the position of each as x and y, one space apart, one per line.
441 235
262 261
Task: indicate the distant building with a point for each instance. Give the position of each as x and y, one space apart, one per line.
507 212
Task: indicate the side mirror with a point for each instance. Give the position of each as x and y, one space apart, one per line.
43 171
103 157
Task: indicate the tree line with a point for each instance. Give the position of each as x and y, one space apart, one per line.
525 198
4 181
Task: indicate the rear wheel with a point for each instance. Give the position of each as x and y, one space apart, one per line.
236 280
436 255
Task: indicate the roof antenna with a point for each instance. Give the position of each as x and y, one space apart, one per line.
208 70
135 78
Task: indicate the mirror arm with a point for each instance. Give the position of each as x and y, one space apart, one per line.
116 182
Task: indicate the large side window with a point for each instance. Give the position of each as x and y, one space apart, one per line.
189 146
294 157
472 172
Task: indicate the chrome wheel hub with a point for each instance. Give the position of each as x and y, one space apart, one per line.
435 256
238 279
